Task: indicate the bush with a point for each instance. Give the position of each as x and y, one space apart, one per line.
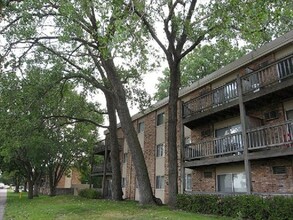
90 194
240 206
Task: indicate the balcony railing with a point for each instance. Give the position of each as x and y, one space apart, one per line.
212 99
262 137
100 168
271 136
227 145
273 73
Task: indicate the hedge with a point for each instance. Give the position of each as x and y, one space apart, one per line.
89 193
240 206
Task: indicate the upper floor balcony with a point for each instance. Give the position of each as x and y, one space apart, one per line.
100 148
272 78
98 170
265 141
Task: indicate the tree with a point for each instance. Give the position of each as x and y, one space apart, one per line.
86 33
202 61
186 26
39 131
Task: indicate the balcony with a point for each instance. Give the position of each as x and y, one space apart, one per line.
275 78
266 141
98 170
100 148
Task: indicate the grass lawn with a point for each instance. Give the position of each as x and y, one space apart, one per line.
77 208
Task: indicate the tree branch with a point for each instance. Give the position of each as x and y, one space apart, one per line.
75 120
151 30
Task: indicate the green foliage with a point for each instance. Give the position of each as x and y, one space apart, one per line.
201 62
90 194
45 124
241 206
75 208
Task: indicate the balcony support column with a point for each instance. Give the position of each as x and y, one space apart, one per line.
182 151
244 136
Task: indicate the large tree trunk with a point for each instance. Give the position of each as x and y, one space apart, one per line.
172 133
17 182
144 186
25 186
30 194
114 145
36 189
52 184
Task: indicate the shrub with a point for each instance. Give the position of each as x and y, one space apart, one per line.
240 206
90 194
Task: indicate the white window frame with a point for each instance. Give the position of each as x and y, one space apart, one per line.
162 116
123 182
140 127
160 148
232 183
125 156
188 182
160 182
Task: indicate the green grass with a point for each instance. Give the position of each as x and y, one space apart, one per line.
77 208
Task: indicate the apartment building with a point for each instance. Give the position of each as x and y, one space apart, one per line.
235 130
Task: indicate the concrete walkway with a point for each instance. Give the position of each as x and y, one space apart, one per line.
3 194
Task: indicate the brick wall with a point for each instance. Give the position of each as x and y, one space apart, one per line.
263 179
149 146
200 183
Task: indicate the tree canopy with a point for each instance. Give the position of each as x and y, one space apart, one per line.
44 124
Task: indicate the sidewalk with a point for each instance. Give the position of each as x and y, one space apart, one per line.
3 194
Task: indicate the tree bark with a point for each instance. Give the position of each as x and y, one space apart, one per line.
52 184
172 133
36 189
144 186
114 146
30 194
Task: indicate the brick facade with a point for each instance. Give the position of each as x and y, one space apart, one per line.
204 175
265 181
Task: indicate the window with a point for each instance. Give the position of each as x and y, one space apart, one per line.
187 140
125 155
206 133
160 118
225 93
123 182
251 82
232 182
140 127
289 115
159 182
279 170
160 150
188 182
285 68
271 115
228 139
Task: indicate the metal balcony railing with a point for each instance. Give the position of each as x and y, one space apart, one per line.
227 145
212 99
272 73
269 136
100 168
